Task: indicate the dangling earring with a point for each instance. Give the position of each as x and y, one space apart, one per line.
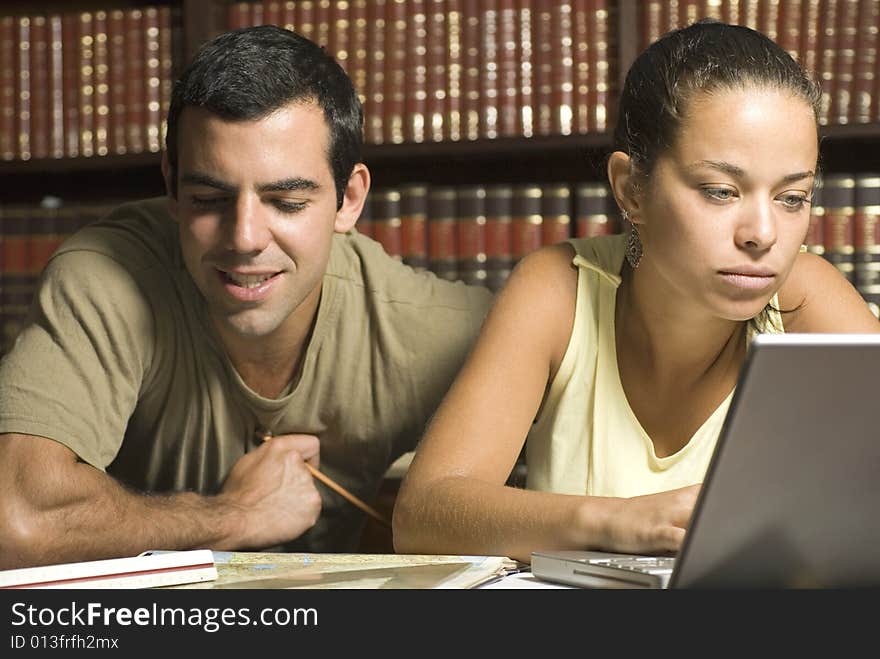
633 243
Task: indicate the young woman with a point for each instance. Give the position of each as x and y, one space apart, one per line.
615 358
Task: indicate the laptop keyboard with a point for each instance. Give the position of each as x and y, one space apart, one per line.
658 565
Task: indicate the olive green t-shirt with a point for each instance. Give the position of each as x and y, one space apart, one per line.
119 362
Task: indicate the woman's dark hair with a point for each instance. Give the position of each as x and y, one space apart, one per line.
704 57
249 73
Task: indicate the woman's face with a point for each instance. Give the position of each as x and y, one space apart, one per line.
728 207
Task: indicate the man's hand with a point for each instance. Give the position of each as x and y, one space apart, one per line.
274 491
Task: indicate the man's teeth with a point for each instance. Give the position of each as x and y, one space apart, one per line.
247 281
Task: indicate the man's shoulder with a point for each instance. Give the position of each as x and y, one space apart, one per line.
360 265
138 234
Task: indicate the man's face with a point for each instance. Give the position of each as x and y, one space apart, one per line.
256 207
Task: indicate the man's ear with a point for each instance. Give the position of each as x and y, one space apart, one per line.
354 199
622 180
167 175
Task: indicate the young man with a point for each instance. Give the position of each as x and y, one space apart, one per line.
166 340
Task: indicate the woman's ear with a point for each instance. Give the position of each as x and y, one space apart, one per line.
621 179
354 199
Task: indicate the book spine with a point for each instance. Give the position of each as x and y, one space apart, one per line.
865 74
867 236
789 36
454 71
768 18
134 88
810 34
827 58
23 88
152 80
600 65
437 79
238 15
556 213
847 32
374 106
395 71
40 99
651 23
471 234
417 62
386 221
414 225
288 15
526 229
815 239
442 248
562 97
305 19
489 69
470 82
750 13
340 32
87 84
581 66
838 198
358 55
592 211
508 69
499 249
117 75
8 78
730 11
56 87
689 11
712 9
102 84
322 25
271 12
42 239
542 35
255 11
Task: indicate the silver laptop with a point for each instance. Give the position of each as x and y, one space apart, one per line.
791 497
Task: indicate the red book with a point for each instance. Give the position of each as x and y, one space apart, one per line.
847 31
374 105
395 71
838 198
87 84
340 32
471 234
454 71
866 222
556 213
730 11
750 13
827 57
600 65
43 238
543 51
56 87
358 53
508 69
70 81
471 89
288 15
809 44
152 80
499 249
768 18
305 18
118 79
134 89
489 69
8 89
689 11
101 77
442 248
789 35
24 88
414 224
526 227
593 210
581 65
437 78
417 90
238 15
271 12
652 22
255 10
386 221
525 55
322 25
40 97
865 76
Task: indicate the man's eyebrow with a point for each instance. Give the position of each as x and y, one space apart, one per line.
289 185
733 170
196 178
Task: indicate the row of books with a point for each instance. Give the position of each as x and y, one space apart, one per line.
475 233
836 40
88 83
436 70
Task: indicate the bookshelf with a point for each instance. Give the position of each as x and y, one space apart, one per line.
543 116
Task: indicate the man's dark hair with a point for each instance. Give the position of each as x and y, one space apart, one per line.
249 73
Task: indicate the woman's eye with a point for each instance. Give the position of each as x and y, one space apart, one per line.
794 201
719 194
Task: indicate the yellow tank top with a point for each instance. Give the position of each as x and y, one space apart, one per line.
587 440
